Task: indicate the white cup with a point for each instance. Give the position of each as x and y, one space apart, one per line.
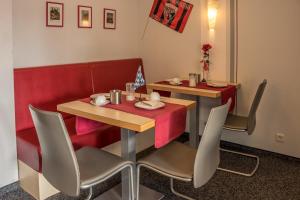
176 80
154 96
130 97
100 100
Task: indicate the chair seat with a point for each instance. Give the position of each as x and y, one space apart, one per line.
175 159
96 165
236 122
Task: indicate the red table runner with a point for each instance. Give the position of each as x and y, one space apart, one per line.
226 92
170 121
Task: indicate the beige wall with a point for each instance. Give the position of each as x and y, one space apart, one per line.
35 44
269 46
167 53
8 160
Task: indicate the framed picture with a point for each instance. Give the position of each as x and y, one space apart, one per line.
109 19
54 14
85 17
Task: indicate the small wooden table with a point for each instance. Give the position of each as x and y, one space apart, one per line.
130 124
188 90
194 136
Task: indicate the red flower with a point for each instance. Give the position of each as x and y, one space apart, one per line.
205 60
206 47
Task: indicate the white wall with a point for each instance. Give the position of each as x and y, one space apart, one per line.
35 44
269 46
8 161
167 53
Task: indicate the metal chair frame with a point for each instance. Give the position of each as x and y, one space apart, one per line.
242 154
90 187
164 174
250 129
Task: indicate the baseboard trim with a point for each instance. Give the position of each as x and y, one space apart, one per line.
244 148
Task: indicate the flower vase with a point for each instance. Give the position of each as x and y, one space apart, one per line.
205 76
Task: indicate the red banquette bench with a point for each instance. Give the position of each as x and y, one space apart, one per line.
45 87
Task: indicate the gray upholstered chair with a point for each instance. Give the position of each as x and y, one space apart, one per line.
181 162
245 124
67 170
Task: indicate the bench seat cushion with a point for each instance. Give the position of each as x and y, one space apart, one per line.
29 150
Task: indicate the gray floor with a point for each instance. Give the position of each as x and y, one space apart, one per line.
278 178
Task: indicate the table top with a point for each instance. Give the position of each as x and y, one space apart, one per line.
188 90
115 117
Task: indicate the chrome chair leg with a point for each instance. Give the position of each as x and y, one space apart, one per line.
171 183
132 182
89 197
177 193
237 172
132 195
138 182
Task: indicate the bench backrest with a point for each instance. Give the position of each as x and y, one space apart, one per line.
45 87
114 74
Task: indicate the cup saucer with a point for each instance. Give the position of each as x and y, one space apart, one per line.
105 103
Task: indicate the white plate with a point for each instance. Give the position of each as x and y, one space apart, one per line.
94 96
174 83
143 105
171 81
217 84
93 103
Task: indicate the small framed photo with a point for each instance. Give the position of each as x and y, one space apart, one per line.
54 14
110 19
85 17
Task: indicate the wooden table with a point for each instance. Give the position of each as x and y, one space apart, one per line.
130 124
188 90
194 136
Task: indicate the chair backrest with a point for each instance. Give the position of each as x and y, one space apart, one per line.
252 114
208 153
59 163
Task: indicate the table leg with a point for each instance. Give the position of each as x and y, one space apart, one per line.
122 191
128 153
195 124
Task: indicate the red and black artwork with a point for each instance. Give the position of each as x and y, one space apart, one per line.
172 13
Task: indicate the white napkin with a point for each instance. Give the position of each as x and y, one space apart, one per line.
151 103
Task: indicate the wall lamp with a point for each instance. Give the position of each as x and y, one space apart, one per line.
212 12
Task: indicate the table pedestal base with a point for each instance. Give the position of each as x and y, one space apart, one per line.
116 194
